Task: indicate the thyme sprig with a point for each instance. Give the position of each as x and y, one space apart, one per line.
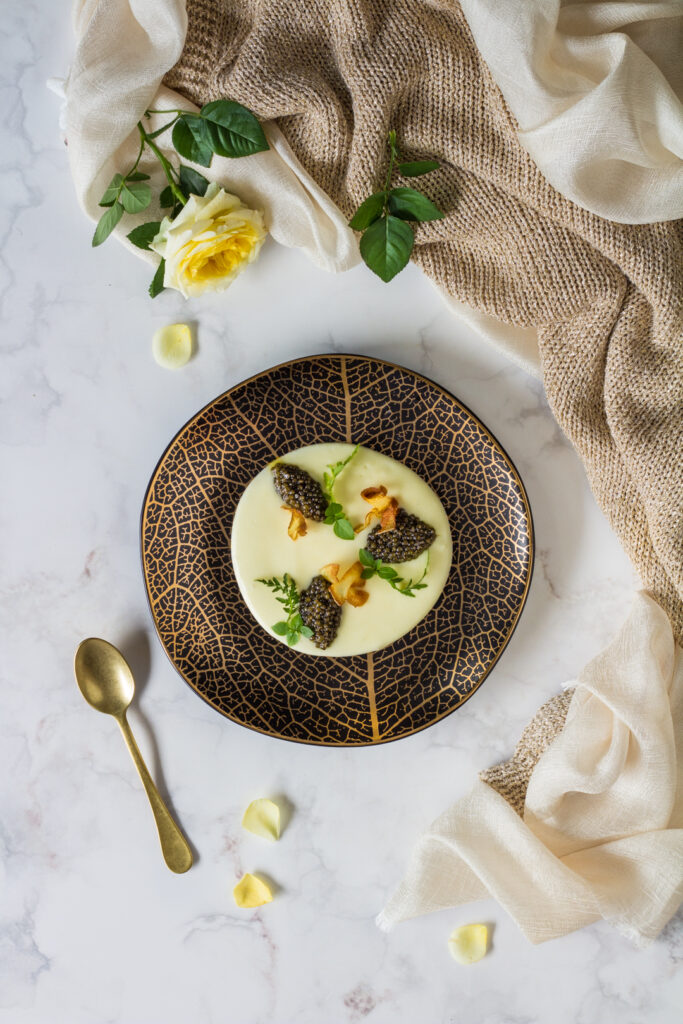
375 566
293 626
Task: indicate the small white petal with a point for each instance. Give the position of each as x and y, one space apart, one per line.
172 346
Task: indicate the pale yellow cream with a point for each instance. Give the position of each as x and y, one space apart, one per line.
261 548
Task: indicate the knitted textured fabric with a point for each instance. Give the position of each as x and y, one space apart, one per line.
606 298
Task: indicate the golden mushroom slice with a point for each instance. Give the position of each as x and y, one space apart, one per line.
469 943
172 346
262 817
251 892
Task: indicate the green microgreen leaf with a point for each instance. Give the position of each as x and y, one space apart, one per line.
157 284
343 529
143 235
192 182
192 140
367 574
107 223
416 168
365 558
233 130
281 628
306 631
135 196
409 204
112 191
368 212
386 247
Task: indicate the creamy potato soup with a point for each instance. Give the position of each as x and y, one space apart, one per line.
375 611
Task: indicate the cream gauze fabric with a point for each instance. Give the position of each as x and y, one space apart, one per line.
602 829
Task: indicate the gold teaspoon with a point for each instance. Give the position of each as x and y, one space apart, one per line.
106 681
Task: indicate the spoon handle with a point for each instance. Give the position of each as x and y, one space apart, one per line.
174 846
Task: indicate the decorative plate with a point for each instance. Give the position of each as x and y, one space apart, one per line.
205 626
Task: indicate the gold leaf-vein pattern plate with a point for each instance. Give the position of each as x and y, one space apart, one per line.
201 618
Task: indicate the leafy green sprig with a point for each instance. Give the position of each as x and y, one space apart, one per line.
223 127
335 515
387 241
293 626
375 566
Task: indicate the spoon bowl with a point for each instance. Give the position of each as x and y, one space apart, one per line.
104 676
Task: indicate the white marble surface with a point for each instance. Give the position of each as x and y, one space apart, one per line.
93 928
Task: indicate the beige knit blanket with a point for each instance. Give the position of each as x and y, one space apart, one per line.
606 298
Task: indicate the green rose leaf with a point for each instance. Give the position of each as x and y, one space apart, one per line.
166 198
192 182
112 192
135 196
191 139
107 223
386 247
157 284
137 176
234 130
415 168
409 204
343 529
368 212
144 234
281 628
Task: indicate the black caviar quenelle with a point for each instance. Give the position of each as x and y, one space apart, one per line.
320 612
409 538
299 490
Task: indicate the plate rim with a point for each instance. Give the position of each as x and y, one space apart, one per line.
415 373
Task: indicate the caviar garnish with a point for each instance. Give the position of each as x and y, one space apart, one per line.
319 611
299 490
408 539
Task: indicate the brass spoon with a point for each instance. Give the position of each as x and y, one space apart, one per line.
106 681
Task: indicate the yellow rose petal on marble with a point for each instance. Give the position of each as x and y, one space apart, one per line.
172 346
250 892
262 817
469 943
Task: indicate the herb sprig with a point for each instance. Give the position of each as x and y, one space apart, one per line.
375 566
387 241
223 127
293 626
334 513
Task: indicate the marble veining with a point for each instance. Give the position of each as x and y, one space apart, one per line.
93 928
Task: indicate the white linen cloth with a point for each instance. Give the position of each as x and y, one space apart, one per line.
124 48
596 88
602 832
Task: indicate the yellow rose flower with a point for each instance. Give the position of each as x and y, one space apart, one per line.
210 241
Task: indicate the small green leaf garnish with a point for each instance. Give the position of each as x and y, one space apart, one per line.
334 513
375 566
286 593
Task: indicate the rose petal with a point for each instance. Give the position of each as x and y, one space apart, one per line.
172 346
469 943
262 817
250 892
